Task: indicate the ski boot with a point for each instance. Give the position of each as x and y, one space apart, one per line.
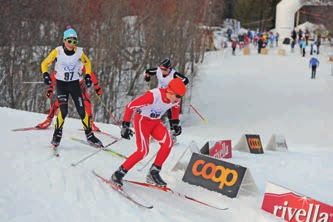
57 135
154 177
117 177
92 139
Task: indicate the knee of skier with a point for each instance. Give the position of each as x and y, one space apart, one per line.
64 112
82 113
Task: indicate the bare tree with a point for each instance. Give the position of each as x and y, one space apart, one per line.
122 39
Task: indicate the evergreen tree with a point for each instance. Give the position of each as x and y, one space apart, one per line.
256 14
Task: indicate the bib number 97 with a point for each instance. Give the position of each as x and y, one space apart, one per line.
68 76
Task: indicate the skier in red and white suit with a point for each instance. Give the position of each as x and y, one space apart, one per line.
149 109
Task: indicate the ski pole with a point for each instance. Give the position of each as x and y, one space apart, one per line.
93 153
197 112
32 82
114 119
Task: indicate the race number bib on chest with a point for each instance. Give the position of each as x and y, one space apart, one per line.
68 68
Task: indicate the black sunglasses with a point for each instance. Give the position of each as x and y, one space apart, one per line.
178 96
72 41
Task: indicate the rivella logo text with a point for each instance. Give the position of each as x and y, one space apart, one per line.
218 174
290 214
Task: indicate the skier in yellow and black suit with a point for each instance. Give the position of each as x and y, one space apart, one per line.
69 61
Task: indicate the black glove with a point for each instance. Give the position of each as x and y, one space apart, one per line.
47 78
126 132
88 80
49 93
175 127
147 77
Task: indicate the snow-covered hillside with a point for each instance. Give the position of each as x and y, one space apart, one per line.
260 94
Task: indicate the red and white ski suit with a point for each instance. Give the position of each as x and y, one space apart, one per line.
149 109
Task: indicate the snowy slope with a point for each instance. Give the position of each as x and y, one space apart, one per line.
237 94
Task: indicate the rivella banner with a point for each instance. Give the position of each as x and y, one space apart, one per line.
294 207
214 174
219 149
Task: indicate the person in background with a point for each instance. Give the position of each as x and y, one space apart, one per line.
229 32
277 36
247 39
233 46
313 48
250 34
265 37
86 99
302 44
292 45
318 41
260 44
307 35
241 39
165 73
271 39
327 36
147 122
294 36
300 35
70 59
313 64
255 39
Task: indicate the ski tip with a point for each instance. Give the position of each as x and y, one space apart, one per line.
218 208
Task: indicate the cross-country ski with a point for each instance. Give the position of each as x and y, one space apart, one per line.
105 148
176 193
123 192
28 128
104 133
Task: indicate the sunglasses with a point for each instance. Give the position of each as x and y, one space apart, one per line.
178 96
72 41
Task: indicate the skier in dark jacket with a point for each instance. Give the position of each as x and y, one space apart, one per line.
164 74
260 44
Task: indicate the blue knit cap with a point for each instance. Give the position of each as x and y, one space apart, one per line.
70 33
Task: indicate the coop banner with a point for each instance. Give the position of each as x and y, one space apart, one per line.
214 174
254 143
